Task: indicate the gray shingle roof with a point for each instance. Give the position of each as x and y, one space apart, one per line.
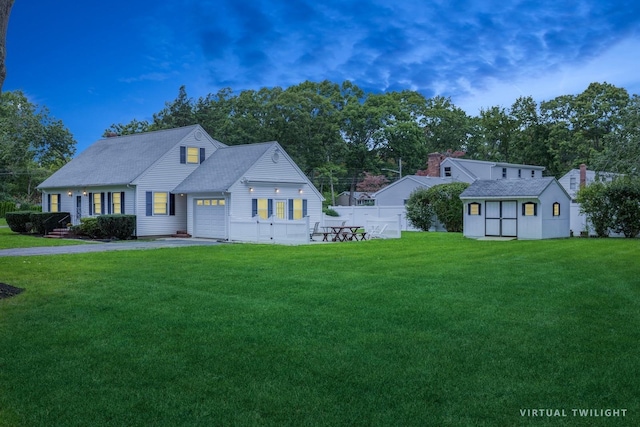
223 168
117 160
507 188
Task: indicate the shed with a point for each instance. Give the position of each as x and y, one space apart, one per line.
520 208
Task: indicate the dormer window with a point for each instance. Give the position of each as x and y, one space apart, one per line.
533 174
191 155
504 172
447 171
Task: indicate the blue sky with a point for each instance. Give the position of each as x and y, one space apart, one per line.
94 64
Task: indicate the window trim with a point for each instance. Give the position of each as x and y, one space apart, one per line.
470 210
526 210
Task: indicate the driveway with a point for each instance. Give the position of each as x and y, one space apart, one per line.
112 246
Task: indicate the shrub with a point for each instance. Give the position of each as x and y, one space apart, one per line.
623 195
44 222
330 212
19 222
89 227
419 209
595 204
121 227
6 207
447 206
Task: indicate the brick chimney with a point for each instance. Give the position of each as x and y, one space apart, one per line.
433 164
583 175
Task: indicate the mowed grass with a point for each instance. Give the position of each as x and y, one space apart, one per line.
11 240
430 329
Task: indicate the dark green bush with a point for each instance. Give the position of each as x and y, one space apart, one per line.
89 228
6 207
330 212
419 209
44 222
445 199
19 222
121 227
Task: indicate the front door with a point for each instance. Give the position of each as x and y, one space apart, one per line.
501 218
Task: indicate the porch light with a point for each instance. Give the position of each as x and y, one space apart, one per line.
69 193
84 192
277 190
299 190
250 189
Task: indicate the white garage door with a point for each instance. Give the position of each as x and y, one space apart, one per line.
210 218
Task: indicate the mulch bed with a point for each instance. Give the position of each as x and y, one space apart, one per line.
7 291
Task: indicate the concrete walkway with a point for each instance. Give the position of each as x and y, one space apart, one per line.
112 246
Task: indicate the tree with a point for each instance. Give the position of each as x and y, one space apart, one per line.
420 211
372 183
33 145
623 195
5 11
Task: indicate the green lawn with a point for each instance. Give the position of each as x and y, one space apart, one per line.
430 329
10 240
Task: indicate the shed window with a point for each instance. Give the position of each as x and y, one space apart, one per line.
261 208
529 209
281 209
556 209
475 208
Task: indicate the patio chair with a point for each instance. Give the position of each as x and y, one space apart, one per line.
377 232
315 231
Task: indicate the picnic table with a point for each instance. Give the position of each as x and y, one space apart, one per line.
343 233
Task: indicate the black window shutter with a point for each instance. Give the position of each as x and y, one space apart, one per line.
183 154
172 204
102 210
122 202
201 155
109 203
304 207
270 208
90 204
290 208
254 207
149 196
48 202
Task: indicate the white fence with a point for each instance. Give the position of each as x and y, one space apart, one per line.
389 227
269 230
360 215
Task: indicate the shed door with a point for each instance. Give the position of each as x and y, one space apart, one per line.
210 218
501 218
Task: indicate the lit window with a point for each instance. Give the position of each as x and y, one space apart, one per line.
160 203
199 202
297 208
529 209
556 209
193 155
474 208
55 203
97 203
281 208
116 203
221 202
263 208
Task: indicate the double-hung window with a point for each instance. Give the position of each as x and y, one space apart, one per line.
97 203
160 203
116 203
54 202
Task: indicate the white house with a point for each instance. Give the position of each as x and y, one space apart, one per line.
572 181
520 208
182 179
397 193
466 170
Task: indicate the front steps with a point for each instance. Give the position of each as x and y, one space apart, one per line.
181 233
58 233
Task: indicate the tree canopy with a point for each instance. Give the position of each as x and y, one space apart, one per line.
337 132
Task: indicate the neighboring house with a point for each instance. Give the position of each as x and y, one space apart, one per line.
471 170
360 198
397 193
521 208
572 181
181 179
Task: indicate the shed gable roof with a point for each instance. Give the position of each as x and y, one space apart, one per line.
117 160
507 188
